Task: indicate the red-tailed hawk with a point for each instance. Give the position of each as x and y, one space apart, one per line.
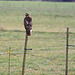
28 24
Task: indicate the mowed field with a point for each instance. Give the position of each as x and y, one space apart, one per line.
48 39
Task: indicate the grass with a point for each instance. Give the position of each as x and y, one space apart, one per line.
48 39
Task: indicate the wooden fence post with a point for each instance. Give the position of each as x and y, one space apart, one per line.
67 38
9 60
24 58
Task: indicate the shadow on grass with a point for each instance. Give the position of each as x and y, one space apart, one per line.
12 31
34 32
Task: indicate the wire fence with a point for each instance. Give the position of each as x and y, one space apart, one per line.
47 57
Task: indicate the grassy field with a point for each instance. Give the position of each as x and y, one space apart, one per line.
48 39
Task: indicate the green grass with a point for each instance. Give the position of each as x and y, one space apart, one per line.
48 39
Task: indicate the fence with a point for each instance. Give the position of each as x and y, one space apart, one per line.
47 57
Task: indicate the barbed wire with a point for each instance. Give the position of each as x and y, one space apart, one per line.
39 49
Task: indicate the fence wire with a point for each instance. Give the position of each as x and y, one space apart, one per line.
47 56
